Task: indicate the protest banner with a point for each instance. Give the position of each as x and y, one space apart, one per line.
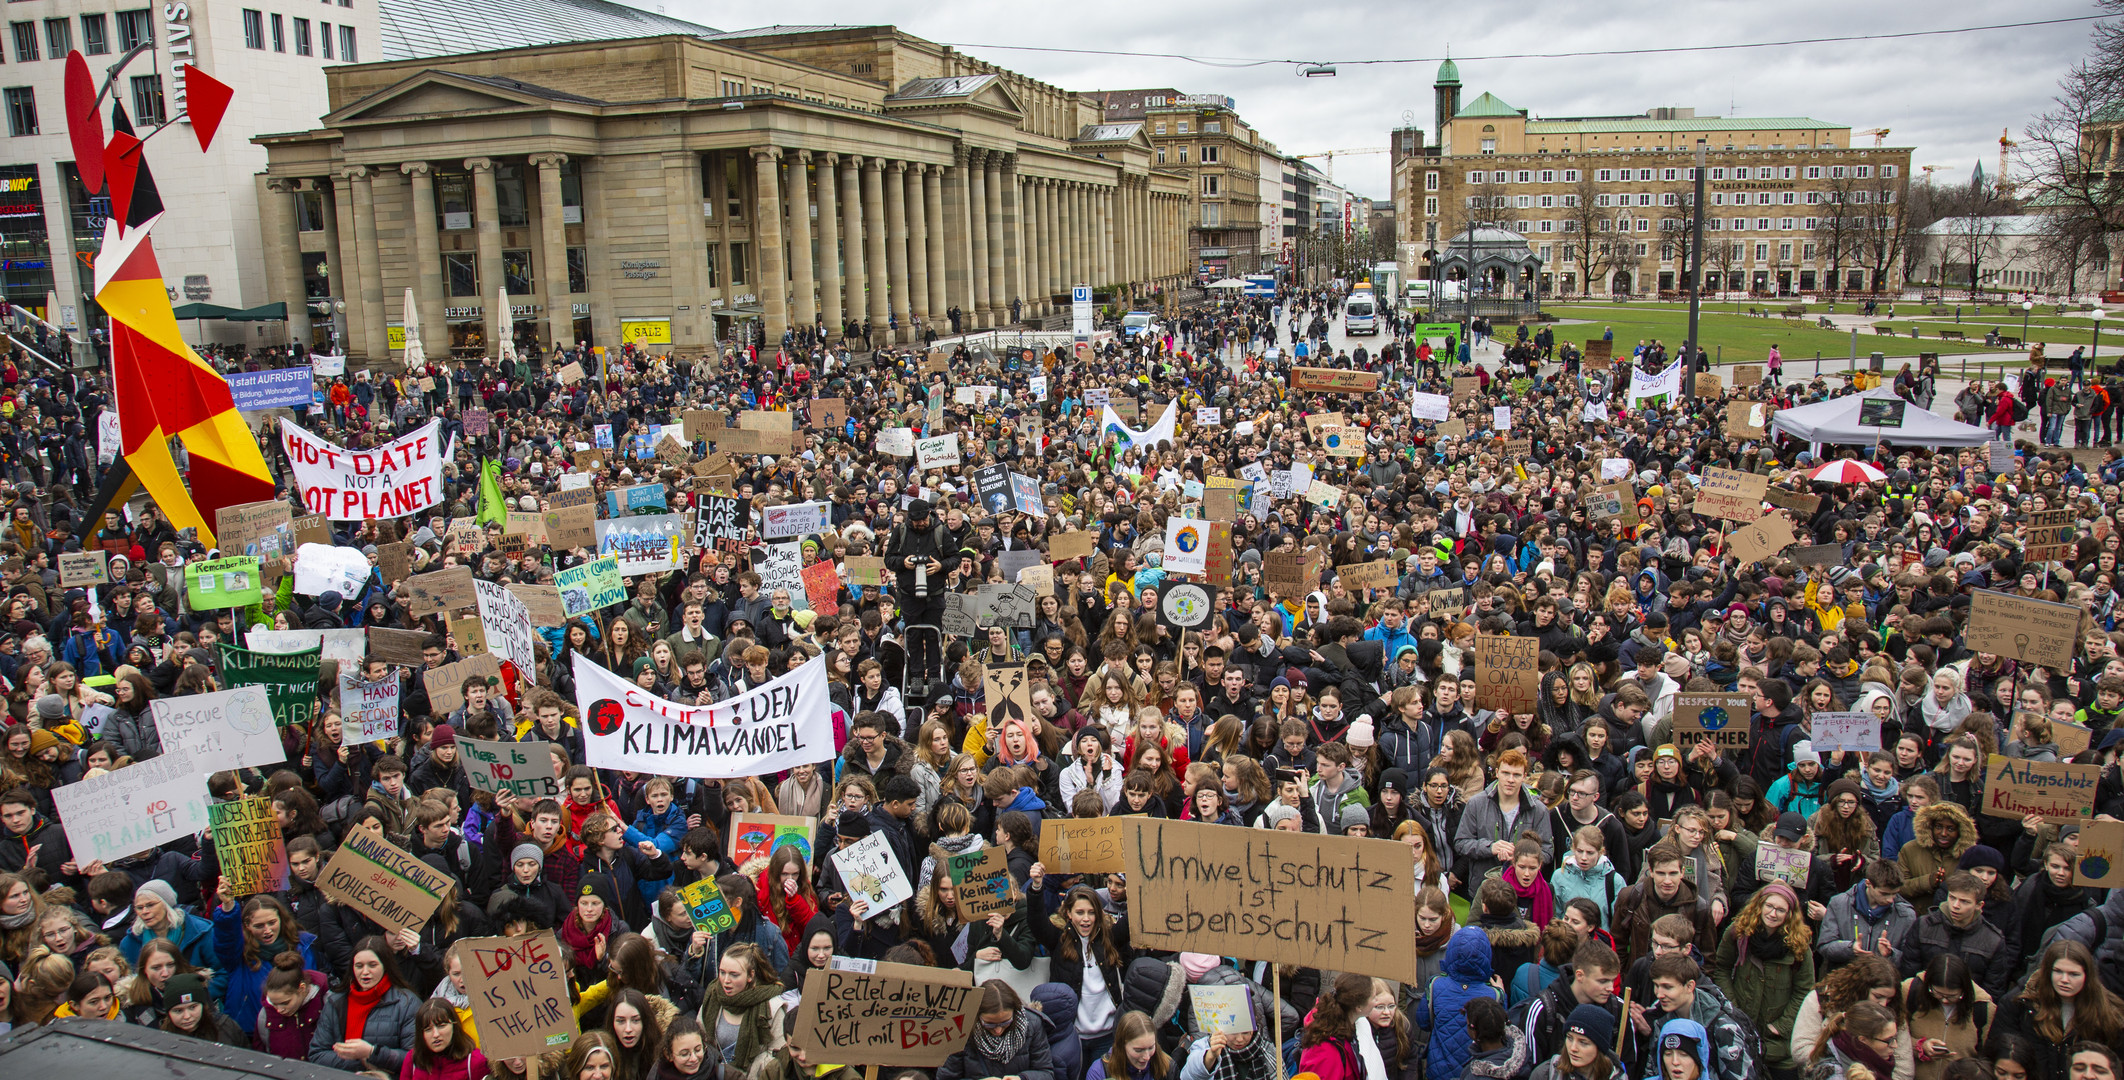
229 729
719 523
401 477
1081 845
706 906
1758 541
2101 855
273 388
2035 631
524 770
756 836
783 724
822 586
590 586
222 583
1731 494
396 646
519 992
542 604
983 881
881 1019
248 844
1850 731
368 711
441 591
1722 718
507 622
1773 863
382 881
446 684
1332 902
1507 672
130 810
873 874
289 679
2015 788
1221 1010
85 568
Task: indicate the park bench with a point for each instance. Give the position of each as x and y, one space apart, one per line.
2010 342
1794 317
1824 323
1795 309
1941 311
1949 335
1884 330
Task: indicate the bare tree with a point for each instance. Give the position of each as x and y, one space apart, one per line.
2069 155
1882 230
1594 224
1836 232
1680 233
1973 235
2067 247
1924 204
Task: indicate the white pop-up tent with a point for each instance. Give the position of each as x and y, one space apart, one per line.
1837 421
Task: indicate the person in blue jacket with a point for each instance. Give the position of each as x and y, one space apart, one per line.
246 944
157 915
661 821
1465 976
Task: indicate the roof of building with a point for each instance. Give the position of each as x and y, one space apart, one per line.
1487 236
1109 132
1448 74
420 28
1614 125
779 29
518 85
1989 225
1488 104
950 86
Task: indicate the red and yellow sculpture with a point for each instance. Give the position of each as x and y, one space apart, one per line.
163 390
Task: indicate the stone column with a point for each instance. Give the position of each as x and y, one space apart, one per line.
1079 273
958 241
1050 241
998 298
977 212
933 220
894 179
346 266
1059 195
283 252
1107 234
1013 241
426 255
372 293
829 242
858 282
918 244
880 307
767 237
486 219
803 312
553 250
1035 247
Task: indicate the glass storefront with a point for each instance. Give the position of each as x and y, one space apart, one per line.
26 271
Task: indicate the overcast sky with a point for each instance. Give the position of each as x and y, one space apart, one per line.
1946 97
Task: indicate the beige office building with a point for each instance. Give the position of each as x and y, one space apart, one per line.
680 190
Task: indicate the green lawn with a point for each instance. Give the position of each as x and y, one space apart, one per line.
1732 339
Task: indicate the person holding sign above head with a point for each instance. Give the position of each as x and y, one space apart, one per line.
246 944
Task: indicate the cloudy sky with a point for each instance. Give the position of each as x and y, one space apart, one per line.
1947 96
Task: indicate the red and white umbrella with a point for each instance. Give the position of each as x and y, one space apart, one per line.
1846 471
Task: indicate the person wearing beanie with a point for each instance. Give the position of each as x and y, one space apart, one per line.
592 925
1282 815
1356 821
1801 789
157 914
440 768
1843 834
1765 966
526 881
1392 807
325 616
1587 1050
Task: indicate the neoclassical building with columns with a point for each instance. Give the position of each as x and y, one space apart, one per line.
668 190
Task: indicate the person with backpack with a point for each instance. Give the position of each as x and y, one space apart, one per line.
1680 992
922 556
1466 979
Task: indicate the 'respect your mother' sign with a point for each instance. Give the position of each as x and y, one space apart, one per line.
783 724
401 477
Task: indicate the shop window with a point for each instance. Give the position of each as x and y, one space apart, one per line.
462 270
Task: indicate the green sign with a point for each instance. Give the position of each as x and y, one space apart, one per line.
222 583
593 585
1436 331
290 679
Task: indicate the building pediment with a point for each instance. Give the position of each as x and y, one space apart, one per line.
438 94
984 94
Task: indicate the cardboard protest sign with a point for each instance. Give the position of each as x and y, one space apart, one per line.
873 874
570 373
264 530
368 711
1464 385
2035 631
468 636
446 693
85 568
248 844
865 570
1745 419
524 770
1773 863
396 646
983 880
1292 573
882 1019
222 583
1507 672
1798 502
1709 385
1766 537
569 527
2015 788
231 729
1082 846
1079 544
289 679
1333 381
446 590
1850 731
2048 535
1333 902
757 836
590 586
1818 554
2072 739
829 414
380 880
2101 861
1731 494
541 602
1722 718
130 810
706 906
1748 375
395 560
312 529
519 992
1377 574
401 477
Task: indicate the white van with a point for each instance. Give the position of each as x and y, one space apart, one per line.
1360 314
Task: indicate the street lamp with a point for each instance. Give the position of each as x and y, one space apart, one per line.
2096 350
2026 307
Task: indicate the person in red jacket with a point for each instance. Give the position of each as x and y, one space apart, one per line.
442 1048
2002 413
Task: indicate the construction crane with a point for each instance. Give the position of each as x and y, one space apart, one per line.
2005 143
1330 155
1878 134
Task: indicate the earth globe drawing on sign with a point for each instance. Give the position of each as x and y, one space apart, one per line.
2094 866
1713 718
1333 440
